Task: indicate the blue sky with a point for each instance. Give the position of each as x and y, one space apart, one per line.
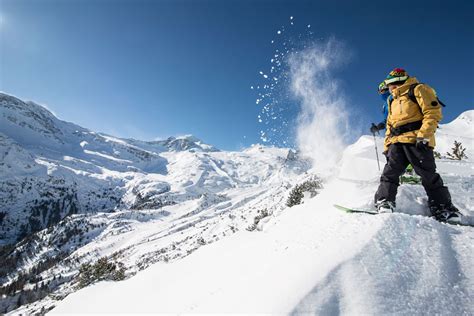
152 69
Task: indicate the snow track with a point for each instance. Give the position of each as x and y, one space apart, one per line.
411 266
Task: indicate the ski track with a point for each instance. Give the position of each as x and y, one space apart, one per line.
388 277
411 265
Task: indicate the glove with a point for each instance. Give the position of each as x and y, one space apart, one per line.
422 144
376 128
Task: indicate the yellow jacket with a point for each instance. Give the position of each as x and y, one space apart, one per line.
402 110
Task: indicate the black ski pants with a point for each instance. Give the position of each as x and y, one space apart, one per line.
399 155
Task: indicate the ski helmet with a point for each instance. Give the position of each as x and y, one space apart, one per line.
396 75
382 87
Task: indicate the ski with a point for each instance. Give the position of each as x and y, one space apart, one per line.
374 212
355 210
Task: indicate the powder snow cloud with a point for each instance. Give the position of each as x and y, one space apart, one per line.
323 118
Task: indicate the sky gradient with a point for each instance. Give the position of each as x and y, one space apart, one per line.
153 69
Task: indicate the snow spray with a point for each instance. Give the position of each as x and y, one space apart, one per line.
322 123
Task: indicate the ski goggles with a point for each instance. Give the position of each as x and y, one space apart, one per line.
382 88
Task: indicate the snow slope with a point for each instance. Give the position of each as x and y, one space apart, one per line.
315 259
69 196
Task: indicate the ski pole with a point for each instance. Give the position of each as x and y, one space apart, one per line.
376 151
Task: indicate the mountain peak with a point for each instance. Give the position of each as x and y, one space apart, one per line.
30 123
27 121
186 142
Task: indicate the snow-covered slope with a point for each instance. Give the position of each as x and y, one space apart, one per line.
70 196
315 259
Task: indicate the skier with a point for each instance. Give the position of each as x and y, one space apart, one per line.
384 94
409 138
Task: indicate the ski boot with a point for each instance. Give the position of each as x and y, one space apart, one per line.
384 206
446 213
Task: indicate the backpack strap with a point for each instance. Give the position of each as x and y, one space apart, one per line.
411 93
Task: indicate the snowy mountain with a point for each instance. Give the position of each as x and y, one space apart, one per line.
195 229
86 171
69 196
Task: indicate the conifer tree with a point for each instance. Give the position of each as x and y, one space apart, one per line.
457 152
